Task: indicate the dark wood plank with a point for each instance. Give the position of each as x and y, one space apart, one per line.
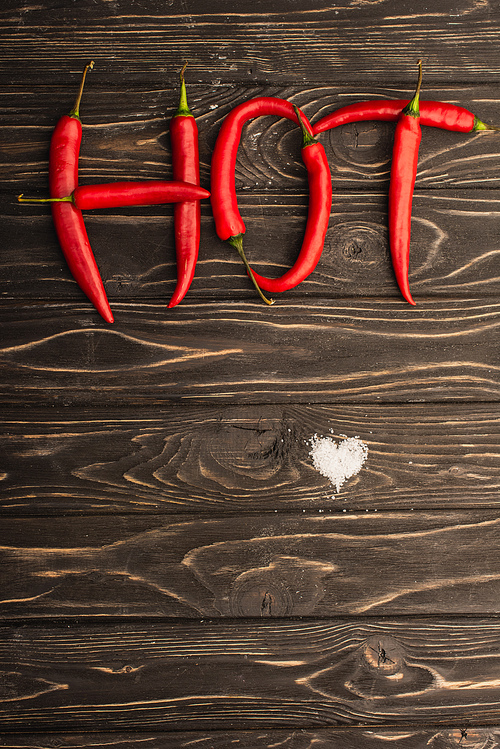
246 352
321 738
201 676
246 458
351 41
269 565
126 136
454 251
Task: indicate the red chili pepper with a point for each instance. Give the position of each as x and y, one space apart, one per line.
120 194
187 215
318 215
407 139
432 114
228 222
68 220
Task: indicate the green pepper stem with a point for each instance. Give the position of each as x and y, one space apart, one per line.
66 199
307 139
183 110
478 125
75 112
412 108
237 243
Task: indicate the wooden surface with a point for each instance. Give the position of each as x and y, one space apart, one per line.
174 571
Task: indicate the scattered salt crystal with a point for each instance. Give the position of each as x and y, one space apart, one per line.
338 462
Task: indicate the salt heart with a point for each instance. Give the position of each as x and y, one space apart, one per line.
338 462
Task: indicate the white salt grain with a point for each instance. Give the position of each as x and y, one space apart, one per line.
338 462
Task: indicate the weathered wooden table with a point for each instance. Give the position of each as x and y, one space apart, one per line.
174 570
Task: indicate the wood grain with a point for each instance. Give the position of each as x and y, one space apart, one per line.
248 458
202 677
322 738
268 565
357 351
129 139
454 251
352 41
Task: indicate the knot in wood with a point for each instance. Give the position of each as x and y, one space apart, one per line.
260 595
383 655
358 245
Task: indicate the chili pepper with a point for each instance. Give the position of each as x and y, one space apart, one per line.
228 222
119 194
68 220
432 114
407 139
187 215
318 215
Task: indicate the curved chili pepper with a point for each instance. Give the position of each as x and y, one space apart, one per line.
187 215
120 194
228 222
432 114
68 220
318 215
407 139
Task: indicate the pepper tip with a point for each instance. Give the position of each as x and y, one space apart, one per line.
107 315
